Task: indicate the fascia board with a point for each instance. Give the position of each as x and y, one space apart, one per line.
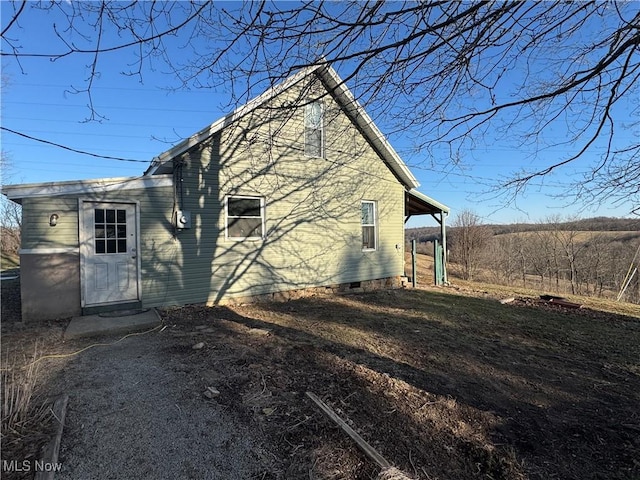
221 123
368 127
429 200
80 187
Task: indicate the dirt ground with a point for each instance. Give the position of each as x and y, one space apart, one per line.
444 384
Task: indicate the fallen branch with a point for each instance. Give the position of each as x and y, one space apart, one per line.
388 472
565 303
371 452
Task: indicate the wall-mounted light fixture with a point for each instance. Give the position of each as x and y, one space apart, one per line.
53 220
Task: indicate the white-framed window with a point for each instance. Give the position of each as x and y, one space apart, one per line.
244 217
369 226
314 130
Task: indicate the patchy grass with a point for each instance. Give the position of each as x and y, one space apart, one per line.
500 291
9 261
443 383
489 290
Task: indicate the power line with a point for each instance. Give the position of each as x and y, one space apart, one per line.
107 107
109 124
82 152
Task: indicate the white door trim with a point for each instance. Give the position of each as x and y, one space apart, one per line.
84 248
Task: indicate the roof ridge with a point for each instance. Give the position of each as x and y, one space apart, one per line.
334 83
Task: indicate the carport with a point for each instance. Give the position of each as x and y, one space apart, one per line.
417 203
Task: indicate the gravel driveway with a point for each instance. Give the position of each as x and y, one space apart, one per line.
133 413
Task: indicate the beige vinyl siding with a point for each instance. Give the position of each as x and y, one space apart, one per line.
313 233
313 228
36 231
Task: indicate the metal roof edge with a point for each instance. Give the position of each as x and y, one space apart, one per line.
421 196
75 187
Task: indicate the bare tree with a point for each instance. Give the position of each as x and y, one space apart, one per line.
10 214
469 239
457 74
502 259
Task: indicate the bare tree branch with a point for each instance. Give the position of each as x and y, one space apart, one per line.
455 75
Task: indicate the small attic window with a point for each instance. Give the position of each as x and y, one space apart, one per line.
314 130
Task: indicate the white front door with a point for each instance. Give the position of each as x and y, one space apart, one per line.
108 246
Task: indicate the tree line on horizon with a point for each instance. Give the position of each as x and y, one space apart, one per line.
592 256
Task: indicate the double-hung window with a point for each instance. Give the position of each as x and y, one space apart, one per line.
245 217
368 225
314 130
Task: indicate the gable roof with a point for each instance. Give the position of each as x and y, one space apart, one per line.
155 176
336 86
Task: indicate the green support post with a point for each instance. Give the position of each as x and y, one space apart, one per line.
414 273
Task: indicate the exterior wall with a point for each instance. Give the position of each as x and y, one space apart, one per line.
50 286
313 230
50 260
36 232
312 221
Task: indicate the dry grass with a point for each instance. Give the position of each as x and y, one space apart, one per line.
578 235
19 380
444 382
25 417
503 291
491 290
9 261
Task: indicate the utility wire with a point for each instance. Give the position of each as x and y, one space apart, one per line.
35 139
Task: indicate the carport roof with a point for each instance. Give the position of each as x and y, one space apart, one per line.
417 203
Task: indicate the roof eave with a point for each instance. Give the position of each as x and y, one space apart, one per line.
421 197
366 124
333 81
78 187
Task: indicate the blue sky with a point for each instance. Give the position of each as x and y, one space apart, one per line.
141 120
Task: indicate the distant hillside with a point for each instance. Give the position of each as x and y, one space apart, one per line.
596 224
594 256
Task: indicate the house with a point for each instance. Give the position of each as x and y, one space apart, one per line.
295 190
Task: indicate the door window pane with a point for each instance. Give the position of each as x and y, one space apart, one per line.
111 224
